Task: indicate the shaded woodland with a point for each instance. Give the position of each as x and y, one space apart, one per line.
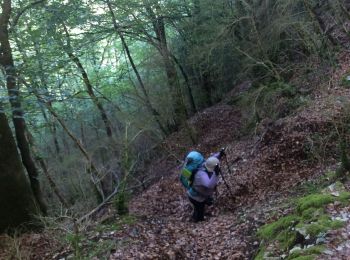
90 89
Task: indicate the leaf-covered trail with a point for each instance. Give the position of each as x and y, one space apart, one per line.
166 233
270 166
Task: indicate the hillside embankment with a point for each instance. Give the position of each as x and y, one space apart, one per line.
268 171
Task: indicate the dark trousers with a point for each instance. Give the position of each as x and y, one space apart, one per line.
198 212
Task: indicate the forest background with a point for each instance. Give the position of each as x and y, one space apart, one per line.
90 89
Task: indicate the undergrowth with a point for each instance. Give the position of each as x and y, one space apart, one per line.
303 226
99 242
273 100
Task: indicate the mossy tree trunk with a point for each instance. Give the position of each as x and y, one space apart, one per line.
17 202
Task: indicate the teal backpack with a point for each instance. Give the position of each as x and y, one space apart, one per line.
193 162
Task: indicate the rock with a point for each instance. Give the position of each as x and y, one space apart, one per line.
296 248
302 231
328 252
340 248
320 240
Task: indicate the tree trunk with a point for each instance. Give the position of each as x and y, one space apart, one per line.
45 170
17 202
188 86
6 61
149 105
87 83
180 112
52 125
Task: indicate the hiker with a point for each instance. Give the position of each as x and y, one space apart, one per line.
204 184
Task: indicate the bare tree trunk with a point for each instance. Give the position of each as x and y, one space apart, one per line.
87 82
45 170
95 175
188 86
6 61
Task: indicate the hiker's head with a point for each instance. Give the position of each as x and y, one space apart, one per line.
211 163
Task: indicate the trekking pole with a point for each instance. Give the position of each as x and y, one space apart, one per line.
227 163
227 186
228 168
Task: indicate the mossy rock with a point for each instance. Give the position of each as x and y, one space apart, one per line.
308 253
312 214
322 226
309 220
287 239
314 201
270 231
335 187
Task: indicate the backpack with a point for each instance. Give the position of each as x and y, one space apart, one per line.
193 162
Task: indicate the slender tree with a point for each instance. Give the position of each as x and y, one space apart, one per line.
149 105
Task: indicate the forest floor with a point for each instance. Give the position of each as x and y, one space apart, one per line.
279 163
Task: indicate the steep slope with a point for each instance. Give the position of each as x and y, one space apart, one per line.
285 154
263 172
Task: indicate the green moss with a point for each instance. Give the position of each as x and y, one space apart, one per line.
269 231
314 201
312 214
261 253
331 175
321 225
287 239
310 219
344 197
307 257
309 253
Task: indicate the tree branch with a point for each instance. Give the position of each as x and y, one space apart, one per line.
15 20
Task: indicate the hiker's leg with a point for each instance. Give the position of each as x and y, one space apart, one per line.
198 211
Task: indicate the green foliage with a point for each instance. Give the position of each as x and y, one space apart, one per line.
273 101
99 249
345 81
121 203
75 240
343 169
